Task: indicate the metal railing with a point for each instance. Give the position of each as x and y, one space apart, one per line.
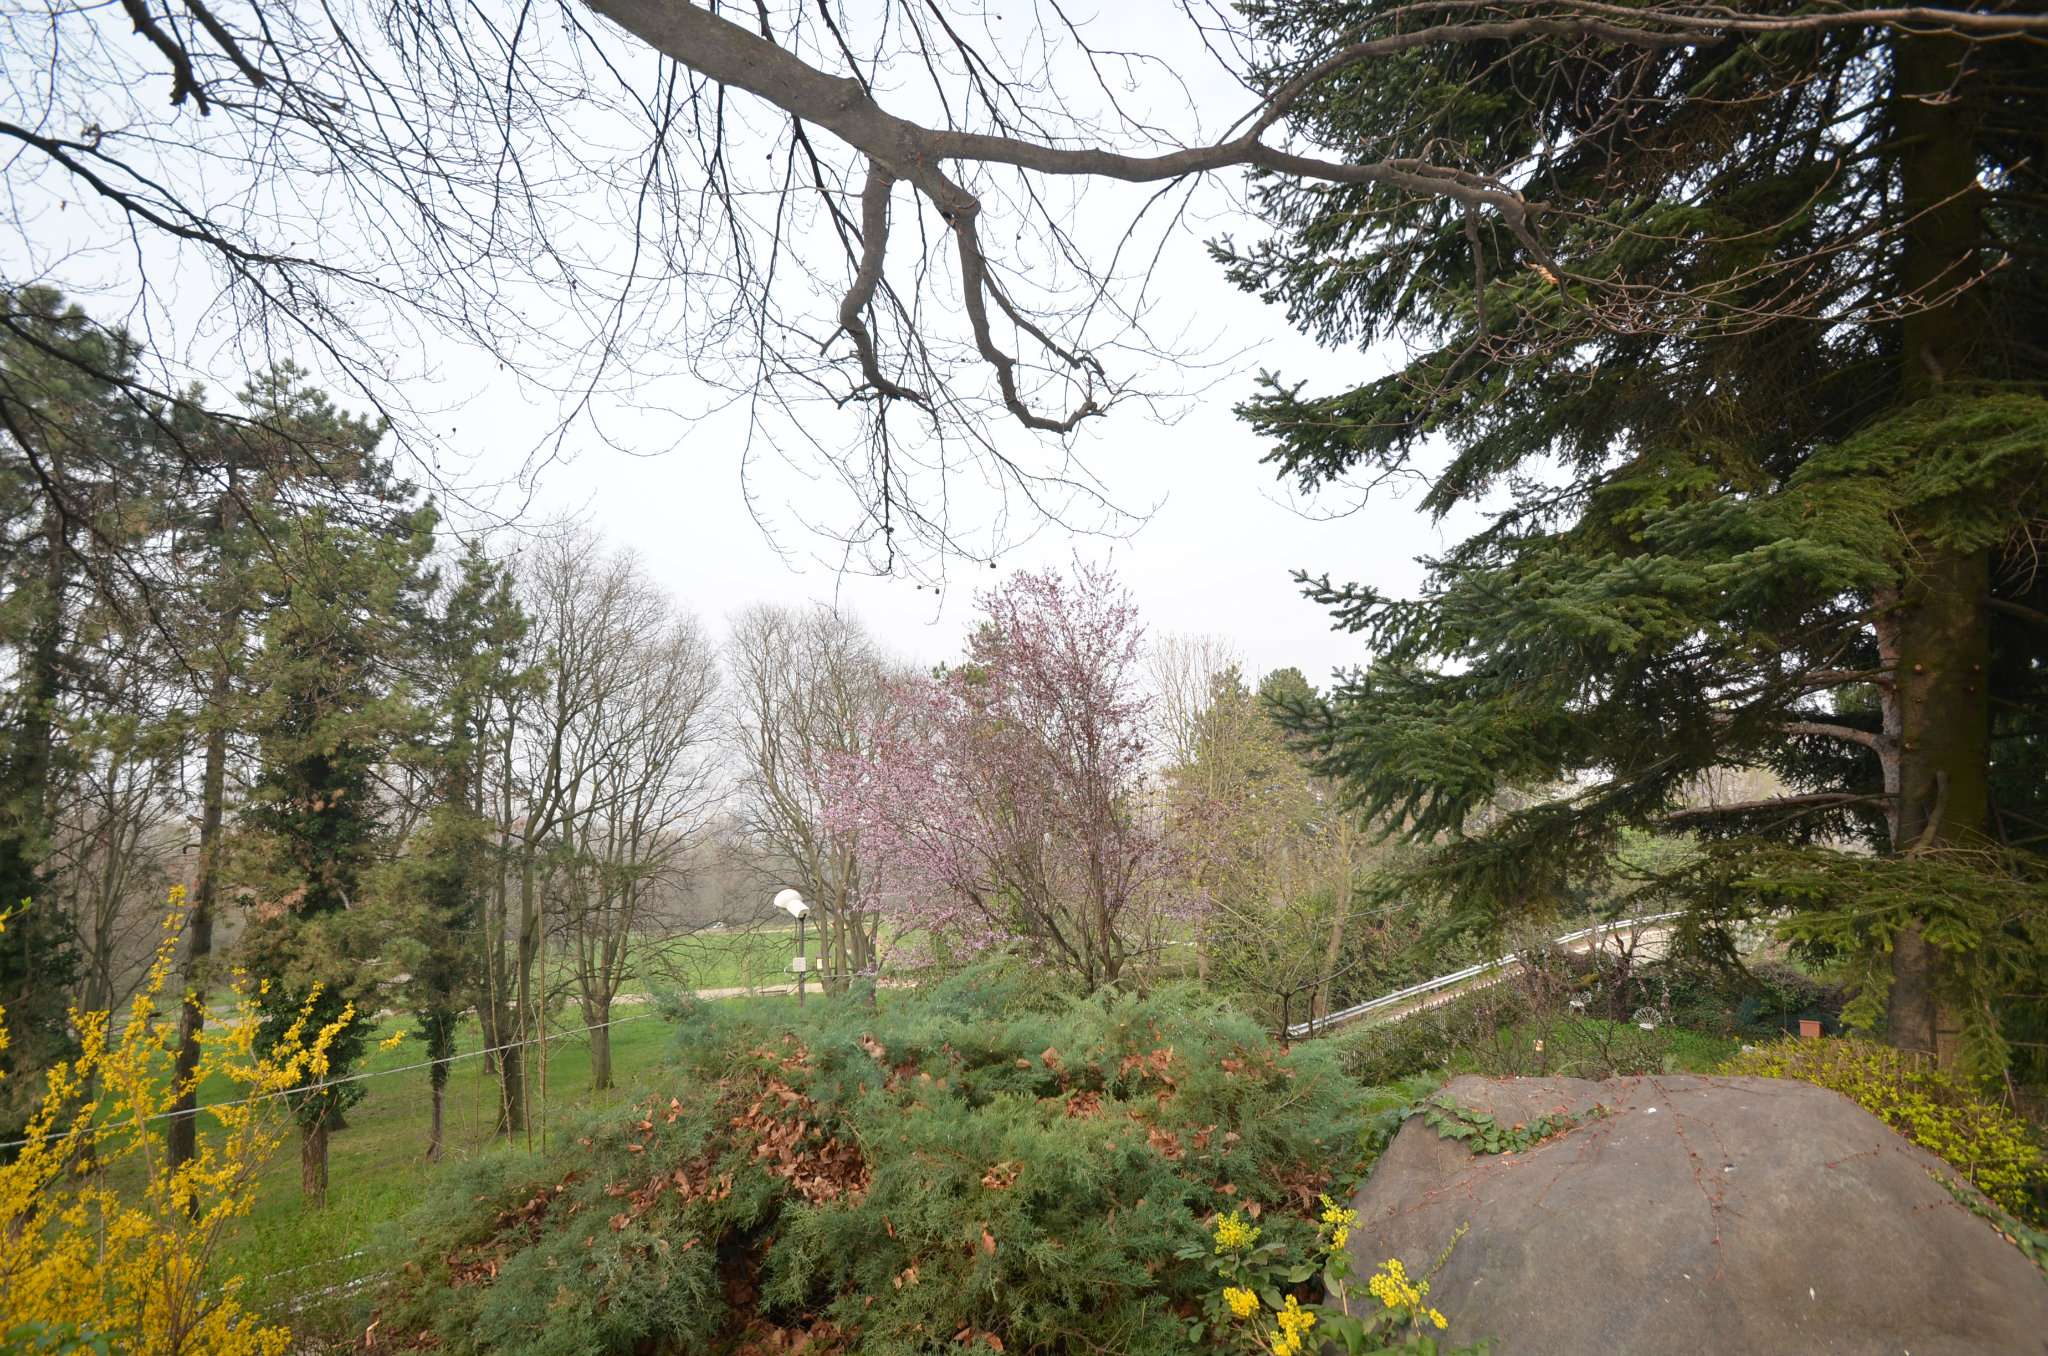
1497 967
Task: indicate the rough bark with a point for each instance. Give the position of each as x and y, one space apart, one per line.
601 1050
313 1163
511 1074
512 1059
1938 713
182 1138
437 1082
1935 630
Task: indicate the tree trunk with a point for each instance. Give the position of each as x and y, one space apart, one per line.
491 1011
1334 951
182 1136
313 1163
1934 632
1938 718
437 1082
600 1049
511 1080
513 1059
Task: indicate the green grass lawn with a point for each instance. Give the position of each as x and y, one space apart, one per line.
725 959
377 1168
315 1269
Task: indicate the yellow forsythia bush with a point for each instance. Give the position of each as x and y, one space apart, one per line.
1931 1106
86 1267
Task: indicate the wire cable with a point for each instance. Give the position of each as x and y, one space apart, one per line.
362 1077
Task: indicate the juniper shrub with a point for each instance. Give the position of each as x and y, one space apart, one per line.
984 1164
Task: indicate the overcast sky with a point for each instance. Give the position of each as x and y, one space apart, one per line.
1219 534
1213 556
1216 535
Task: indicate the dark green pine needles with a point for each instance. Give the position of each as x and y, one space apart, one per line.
1752 421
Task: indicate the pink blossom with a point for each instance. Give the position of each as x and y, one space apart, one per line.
1004 799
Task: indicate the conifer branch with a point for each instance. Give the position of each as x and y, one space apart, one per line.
2020 610
1807 804
1869 739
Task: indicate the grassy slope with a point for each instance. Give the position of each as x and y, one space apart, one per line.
377 1168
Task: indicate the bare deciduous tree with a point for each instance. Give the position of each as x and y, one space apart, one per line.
118 845
628 826
808 686
874 210
1185 669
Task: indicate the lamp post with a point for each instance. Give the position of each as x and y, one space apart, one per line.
792 903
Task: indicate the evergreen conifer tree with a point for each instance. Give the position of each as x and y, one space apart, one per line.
74 475
1782 508
344 604
438 892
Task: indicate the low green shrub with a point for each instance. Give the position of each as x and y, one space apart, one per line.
1757 1002
1252 1309
982 1165
1380 1053
1499 1035
1929 1105
1570 1046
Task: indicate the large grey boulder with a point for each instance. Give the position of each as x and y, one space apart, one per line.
1707 1215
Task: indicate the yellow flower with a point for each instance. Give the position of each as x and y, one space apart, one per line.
1233 1234
1243 1300
394 1040
1437 1318
73 1240
1294 1322
1392 1288
1340 1238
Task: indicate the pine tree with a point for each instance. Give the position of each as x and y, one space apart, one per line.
238 478
344 604
1782 511
438 894
74 470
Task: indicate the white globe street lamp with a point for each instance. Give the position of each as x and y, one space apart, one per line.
792 903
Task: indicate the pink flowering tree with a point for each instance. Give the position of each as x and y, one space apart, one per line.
1005 799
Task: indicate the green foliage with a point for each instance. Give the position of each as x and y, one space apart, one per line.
345 605
1571 1046
1500 1034
38 958
65 1339
1929 1105
74 489
1382 1053
1760 1001
1251 1306
988 1156
431 898
1483 1134
1711 530
1985 911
